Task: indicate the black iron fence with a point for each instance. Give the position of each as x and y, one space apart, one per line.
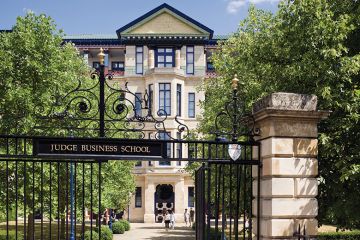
224 199
57 197
49 199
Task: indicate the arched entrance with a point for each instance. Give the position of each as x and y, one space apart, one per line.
164 200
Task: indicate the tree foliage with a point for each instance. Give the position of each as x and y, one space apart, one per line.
309 47
37 65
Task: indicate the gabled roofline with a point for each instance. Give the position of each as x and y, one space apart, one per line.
162 6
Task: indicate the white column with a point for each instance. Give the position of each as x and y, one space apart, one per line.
151 59
179 200
149 216
177 59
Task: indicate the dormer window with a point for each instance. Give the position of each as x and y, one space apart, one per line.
164 57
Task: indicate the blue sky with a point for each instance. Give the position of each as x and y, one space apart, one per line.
105 16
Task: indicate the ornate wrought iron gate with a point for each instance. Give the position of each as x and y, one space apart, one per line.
225 197
52 198
59 196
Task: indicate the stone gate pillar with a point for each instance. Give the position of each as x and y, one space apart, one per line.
289 148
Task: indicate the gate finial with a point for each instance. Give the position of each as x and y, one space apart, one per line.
235 82
101 56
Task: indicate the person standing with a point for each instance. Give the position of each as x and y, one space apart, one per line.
167 221
186 217
192 217
172 219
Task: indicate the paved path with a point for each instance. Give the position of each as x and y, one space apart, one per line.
156 231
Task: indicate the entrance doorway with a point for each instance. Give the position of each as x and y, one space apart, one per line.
164 200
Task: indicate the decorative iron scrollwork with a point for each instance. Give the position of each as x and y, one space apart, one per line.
81 110
234 115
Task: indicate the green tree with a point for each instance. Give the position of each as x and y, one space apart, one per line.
306 47
36 67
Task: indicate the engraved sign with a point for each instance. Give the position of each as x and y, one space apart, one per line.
93 148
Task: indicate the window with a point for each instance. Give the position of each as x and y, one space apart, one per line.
117 66
191 152
164 57
138 100
138 164
165 136
190 59
139 60
164 99
191 105
178 99
191 197
138 201
151 96
96 65
210 66
178 148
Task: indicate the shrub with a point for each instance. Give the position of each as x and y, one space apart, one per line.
87 235
126 224
12 235
118 228
353 235
106 233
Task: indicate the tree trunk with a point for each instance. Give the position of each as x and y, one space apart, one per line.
30 227
62 229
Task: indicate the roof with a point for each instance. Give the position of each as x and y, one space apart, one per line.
159 8
90 36
112 39
125 34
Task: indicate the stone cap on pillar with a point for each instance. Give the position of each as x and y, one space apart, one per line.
287 101
292 103
288 114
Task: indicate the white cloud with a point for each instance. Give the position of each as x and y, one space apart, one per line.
233 6
261 1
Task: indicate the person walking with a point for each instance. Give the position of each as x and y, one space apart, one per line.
192 217
186 217
172 219
167 221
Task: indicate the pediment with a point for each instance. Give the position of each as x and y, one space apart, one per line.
164 21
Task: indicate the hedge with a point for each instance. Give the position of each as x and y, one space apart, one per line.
350 235
126 224
106 233
87 235
118 228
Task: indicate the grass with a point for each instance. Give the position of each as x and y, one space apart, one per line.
46 229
